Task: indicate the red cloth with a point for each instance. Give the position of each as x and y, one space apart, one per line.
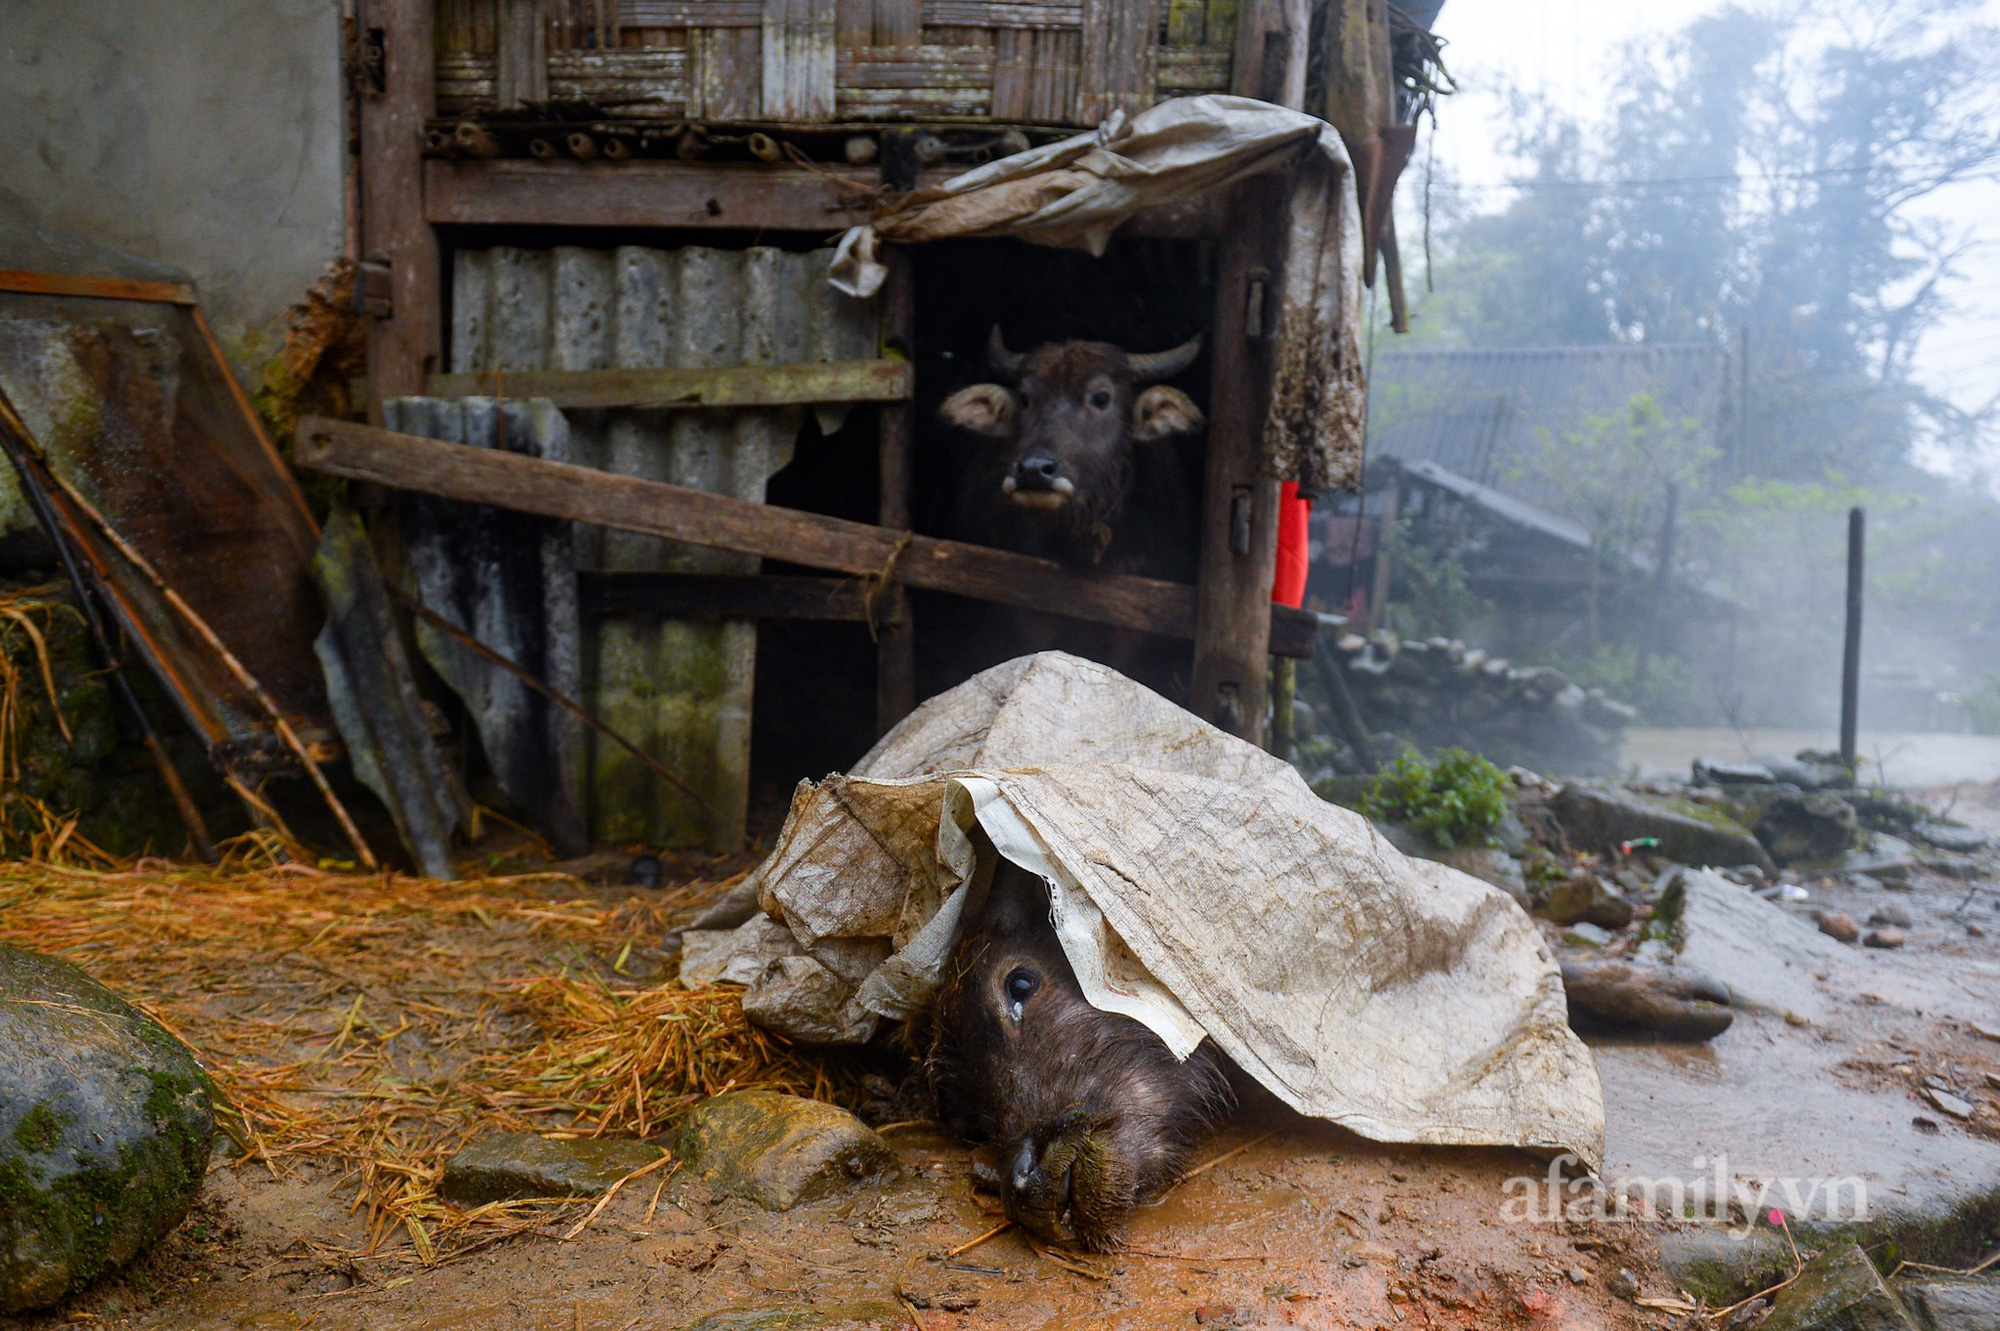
1288 587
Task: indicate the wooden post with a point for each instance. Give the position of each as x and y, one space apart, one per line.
1239 532
403 345
895 636
1850 665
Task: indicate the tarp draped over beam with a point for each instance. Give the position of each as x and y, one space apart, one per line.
1074 194
1198 886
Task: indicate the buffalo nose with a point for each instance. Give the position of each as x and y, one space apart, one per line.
1024 1170
1036 472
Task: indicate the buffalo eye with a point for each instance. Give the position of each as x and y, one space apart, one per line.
1020 984
1101 399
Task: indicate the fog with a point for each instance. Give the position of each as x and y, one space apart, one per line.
1686 286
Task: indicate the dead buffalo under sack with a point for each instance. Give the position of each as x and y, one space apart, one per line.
1084 903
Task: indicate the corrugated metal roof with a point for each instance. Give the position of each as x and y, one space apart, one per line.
678 689
1474 412
1505 507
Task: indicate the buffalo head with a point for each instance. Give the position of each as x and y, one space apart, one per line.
1075 414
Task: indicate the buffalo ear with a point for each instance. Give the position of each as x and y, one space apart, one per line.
1163 413
985 409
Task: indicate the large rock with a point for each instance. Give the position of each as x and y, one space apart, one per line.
1583 897
1721 772
1838 1291
1766 957
1953 1305
1808 773
1816 825
106 1121
1679 1003
780 1150
1600 817
510 1165
1945 836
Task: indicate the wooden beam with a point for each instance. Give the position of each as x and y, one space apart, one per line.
1239 532
721 595
403 346
895 633
720 386
513 191
1294 632
101 288
651 508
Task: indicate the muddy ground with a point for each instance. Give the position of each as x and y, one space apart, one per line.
1306 1225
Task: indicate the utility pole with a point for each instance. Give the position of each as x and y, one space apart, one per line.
1850 668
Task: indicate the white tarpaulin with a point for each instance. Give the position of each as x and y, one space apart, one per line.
1196 885
1075 193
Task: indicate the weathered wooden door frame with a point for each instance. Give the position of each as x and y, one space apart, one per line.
401 198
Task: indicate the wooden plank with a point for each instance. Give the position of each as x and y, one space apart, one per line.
525 192
854 24
633 82
523 70
1053 95
899 23
101 288
1239 532
1193 69
1271 44
1293 632
1117 72
721 595
1002 14
917 67
1186 22
691 13
719 386
402 347
652 508
726 73
1013 70
896 448
798 61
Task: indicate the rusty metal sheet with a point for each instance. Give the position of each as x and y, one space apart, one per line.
128 404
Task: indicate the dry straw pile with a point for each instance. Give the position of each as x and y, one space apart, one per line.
377 1022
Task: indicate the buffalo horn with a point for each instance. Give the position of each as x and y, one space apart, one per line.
1154 365
1005 363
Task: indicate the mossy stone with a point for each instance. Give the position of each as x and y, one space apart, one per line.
106 1121
509 1165
780 1150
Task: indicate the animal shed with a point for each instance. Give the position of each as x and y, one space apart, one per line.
618 208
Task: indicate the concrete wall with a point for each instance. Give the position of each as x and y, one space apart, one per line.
203 134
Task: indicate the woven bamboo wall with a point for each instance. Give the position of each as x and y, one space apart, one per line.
1047 62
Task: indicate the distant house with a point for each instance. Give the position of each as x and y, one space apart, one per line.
1449 432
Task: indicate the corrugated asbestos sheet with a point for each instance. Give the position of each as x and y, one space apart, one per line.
375 700
508 580
1475 412
679 689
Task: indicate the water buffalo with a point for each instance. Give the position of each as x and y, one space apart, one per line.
1089 1110
1082 465
1076 455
